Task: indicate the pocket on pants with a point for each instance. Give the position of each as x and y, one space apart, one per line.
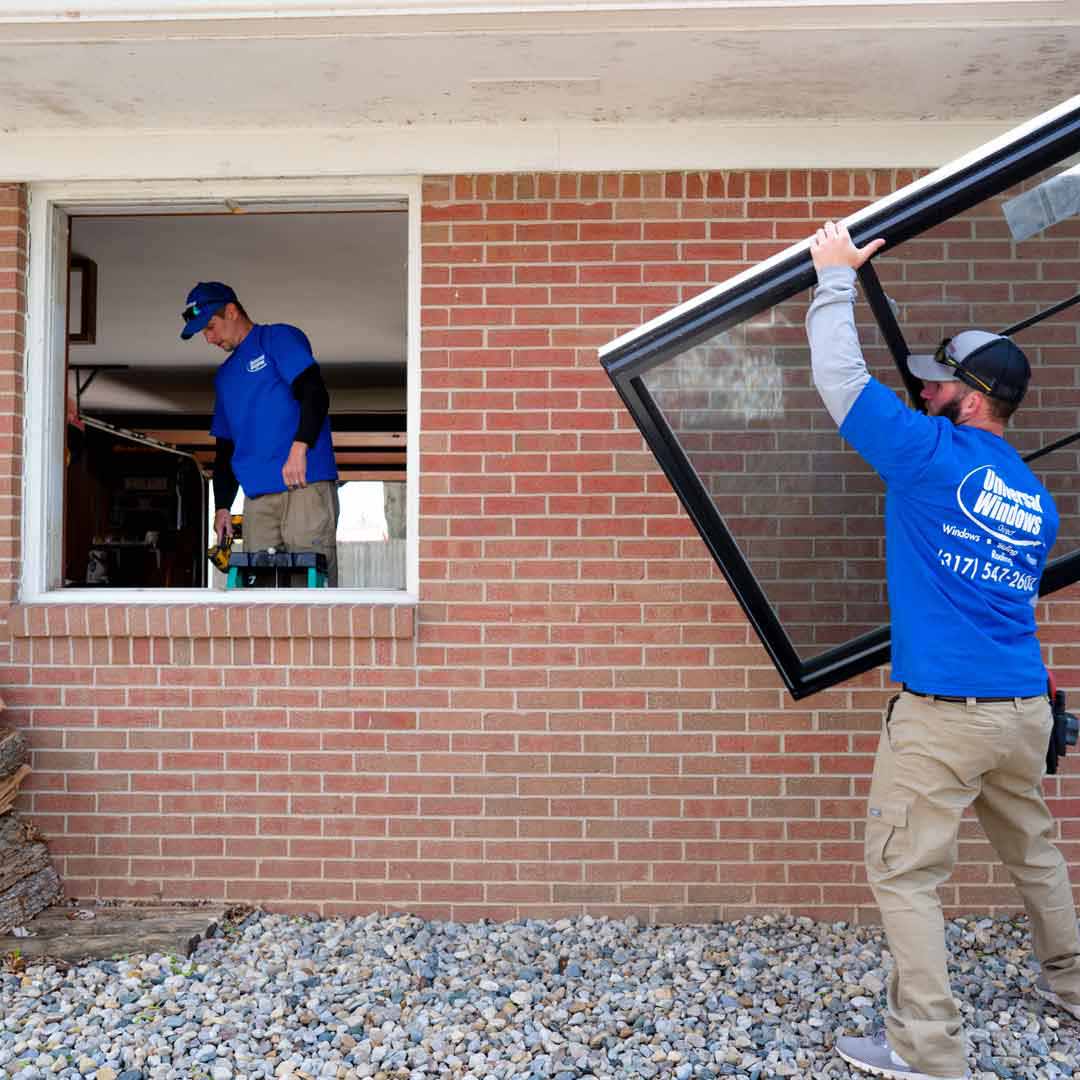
893 722
886 835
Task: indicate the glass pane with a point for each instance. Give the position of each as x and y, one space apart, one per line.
806 514
805 511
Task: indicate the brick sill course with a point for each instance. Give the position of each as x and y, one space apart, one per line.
209 621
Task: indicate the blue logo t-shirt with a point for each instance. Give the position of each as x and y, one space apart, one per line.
967 531
254 406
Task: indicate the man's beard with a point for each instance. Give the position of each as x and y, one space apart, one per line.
951 411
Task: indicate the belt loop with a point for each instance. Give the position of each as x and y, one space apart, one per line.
1017 704
969 704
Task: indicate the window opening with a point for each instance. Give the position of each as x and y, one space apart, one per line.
139 458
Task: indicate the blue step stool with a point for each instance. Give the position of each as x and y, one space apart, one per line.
276 570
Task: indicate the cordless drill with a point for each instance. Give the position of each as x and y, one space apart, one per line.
219 553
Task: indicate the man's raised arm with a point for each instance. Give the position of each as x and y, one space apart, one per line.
836 358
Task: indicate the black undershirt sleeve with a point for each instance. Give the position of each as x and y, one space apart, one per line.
225 483
309 389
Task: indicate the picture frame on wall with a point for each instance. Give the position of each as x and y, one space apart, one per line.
82 300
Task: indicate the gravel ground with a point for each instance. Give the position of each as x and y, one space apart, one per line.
397 998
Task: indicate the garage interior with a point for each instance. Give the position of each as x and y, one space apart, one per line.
139 456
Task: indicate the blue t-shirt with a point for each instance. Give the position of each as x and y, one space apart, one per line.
967 531
254 406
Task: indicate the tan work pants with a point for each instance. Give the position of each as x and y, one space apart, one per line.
301 520
936 758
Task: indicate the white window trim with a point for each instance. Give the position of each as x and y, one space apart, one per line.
45 389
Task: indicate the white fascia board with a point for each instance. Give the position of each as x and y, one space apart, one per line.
762 268
460 148
203 10
45 20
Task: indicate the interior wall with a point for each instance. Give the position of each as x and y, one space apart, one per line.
340 277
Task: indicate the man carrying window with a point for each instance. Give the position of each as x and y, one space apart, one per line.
272 427
967 532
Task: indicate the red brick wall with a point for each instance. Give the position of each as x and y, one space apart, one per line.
575 718
13 253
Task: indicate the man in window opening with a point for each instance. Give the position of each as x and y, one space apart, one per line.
272 427
967 531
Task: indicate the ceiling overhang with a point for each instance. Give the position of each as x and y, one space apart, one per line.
194 88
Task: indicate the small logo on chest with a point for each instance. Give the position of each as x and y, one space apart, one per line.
258 363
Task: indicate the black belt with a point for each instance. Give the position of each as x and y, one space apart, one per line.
961 700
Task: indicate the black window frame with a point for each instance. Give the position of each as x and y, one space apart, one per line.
924 204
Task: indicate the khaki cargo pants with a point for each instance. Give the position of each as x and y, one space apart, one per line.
301 520
936 758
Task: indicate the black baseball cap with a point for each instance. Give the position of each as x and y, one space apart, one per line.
994 364
203 303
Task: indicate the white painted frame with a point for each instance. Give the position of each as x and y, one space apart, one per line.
51 205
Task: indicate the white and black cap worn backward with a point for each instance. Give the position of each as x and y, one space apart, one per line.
994 364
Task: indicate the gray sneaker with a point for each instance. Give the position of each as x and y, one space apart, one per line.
1042 988
873 1054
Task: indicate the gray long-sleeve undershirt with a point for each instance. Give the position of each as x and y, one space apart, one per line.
836 358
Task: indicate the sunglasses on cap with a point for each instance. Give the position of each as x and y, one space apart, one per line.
193 311
941 355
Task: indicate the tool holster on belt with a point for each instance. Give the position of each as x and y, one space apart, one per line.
1065 730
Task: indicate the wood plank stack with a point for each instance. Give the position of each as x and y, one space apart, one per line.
29 882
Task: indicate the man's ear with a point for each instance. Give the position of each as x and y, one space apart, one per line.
979 408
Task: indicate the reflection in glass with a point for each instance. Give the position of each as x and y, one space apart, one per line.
804 510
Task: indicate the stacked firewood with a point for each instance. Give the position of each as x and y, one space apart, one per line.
14 768
28 881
